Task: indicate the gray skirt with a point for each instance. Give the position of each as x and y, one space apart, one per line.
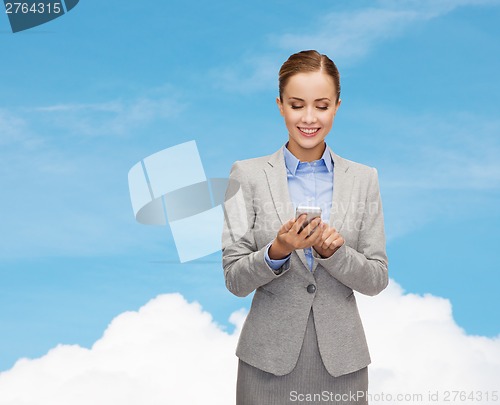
308 383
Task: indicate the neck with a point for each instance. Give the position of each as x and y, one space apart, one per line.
307 155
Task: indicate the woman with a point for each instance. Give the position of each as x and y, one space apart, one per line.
303 340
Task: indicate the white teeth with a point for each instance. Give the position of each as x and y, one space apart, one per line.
309 130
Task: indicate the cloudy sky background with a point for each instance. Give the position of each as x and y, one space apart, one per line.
88 95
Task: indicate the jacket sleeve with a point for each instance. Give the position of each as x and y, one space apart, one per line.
365 269
245 267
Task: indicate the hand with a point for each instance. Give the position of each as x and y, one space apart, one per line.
290 237
329 242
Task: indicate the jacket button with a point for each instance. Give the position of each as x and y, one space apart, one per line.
311 288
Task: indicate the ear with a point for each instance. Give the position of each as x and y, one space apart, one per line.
280 105
338 105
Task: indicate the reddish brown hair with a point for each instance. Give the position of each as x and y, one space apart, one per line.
308 61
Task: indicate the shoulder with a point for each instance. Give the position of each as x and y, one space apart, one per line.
366 177
253 163
354 168
253 168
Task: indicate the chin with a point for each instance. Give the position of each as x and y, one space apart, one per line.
310 143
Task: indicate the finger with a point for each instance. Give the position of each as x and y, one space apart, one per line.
326 245
336 243
328 230
312 227
332 235
339 242
299 222
318 237
312 239
324 236
328 236
287 226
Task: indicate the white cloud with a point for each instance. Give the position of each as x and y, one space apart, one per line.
417 347
351 35
346 36
169 352
115 117
172 352
433 8
255 74
14 129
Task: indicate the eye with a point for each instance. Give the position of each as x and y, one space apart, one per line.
323 108
296 107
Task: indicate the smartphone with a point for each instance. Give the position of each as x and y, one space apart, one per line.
312 212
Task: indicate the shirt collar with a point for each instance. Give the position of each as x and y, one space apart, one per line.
291 162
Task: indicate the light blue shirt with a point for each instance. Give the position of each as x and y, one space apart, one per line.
309 183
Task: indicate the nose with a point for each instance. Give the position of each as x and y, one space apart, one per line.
309 117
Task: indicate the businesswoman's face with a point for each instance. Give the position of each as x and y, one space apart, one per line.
309 106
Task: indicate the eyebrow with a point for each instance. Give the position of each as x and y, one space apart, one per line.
318 99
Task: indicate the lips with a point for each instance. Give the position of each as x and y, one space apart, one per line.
308 132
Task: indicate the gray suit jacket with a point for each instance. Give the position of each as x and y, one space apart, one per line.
273 332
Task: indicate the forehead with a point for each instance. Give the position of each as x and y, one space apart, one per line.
311 85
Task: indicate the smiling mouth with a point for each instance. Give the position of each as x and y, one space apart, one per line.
308 131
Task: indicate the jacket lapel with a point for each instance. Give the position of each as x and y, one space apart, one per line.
342 189
278 185
343 182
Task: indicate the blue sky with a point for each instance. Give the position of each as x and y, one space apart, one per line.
88 95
